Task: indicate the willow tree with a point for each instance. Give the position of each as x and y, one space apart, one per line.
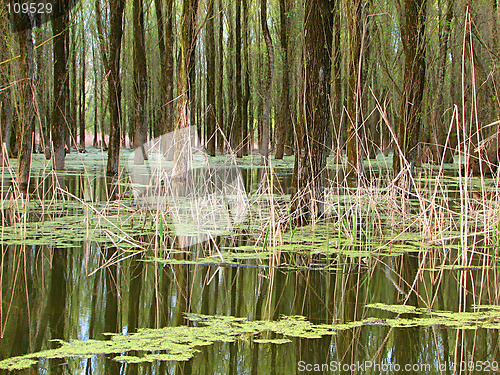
140 78
26 109
313 127
408 127
59 127
439 131
185 65
283 127
264 149
116 8
354 119
211 114
165 48
6 103
184 81
237 127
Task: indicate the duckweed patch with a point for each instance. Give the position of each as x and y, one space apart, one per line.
176 343
183 342
487 317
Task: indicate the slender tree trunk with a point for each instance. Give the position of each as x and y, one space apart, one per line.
230 92
439 131
26 110
285 120
354 118
96 104
74 90
186 62
59 127
67 111
160 125
220 87
82 105
140 80
6 106
268 82
181 153
165 46
496 44
312 131
114 85
211 114
246 96
408 130
337 133
237 128
192 62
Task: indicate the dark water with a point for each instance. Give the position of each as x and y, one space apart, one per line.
47 294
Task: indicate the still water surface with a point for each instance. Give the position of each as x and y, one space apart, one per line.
51 292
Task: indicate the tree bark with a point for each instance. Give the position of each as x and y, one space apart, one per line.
114 85
354 118
338 133
181 138
220 87
165 123
237 128
246 97
312 130
27 107
6 105
439 131
211 114
184 77
408 130
82 99
140 80
74 90
268 82
285 120
59 127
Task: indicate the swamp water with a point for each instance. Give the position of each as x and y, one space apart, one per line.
97 286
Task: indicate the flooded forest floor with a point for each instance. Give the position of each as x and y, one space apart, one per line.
114 276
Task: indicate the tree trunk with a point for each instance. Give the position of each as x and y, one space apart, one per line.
285 120
96 106
181 138
408 130
140 80
165 46
211 114
311 152
246 97
6 105
229 121
268 82
354 118
114 85
338 132
59 127
82 99
220 88
237 128
27 107
184 77
192 61
439 131
74 90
